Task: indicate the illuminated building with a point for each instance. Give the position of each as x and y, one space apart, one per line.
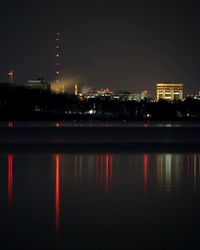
194 96
169 91
98 93
104 92
89 95
127 96
121 95
39 84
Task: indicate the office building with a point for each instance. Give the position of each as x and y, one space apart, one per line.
169 91
39 84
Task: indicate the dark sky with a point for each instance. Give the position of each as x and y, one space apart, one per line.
124 45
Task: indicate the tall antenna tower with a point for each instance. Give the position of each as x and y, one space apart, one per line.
57 57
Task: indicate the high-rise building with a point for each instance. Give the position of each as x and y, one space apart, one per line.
169 91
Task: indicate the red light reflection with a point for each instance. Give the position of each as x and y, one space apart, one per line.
10 124
107 172
145 159
111 172
109 162
58 125
10 180
101 171
57 194
97 166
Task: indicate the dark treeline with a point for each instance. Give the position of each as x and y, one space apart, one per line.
19 103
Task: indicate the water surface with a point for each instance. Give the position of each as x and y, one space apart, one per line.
100 200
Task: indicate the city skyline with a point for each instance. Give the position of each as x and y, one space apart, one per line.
115 44
100 124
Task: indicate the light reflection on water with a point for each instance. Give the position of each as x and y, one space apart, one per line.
57 194
10 180
65 124
96 189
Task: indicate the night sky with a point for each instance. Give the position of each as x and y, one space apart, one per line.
124 45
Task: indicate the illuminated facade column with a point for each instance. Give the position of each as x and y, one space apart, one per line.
157 96
181 95
172 95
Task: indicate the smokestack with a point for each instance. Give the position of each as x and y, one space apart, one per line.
76 88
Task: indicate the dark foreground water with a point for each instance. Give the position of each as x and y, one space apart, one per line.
99 201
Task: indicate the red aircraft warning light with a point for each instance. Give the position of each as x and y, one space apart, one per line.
10 76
